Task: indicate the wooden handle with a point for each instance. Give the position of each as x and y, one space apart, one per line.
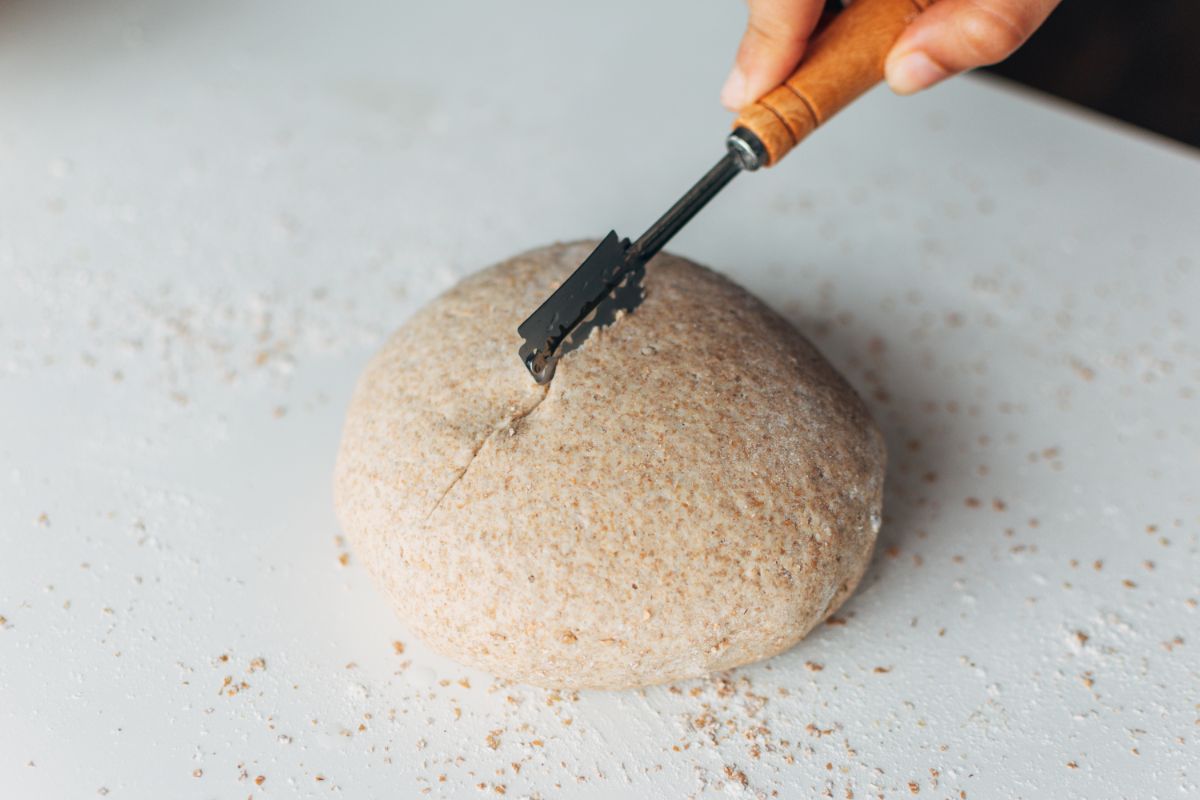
843 61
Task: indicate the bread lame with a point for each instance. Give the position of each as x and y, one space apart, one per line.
843 61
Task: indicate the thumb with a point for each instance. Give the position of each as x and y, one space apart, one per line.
957 35
771 47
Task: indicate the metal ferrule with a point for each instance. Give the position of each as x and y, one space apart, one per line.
747 148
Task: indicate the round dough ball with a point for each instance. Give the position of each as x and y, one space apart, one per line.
696 488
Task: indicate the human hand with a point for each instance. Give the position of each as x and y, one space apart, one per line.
947 38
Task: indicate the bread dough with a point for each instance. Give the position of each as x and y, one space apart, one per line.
696 489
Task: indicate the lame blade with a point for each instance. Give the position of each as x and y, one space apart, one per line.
545 330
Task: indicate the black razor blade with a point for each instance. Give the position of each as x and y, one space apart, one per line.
546 330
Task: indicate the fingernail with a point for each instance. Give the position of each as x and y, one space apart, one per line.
913 72
733 93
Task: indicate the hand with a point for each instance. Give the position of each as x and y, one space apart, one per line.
949 37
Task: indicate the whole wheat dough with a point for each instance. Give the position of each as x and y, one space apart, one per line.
696 489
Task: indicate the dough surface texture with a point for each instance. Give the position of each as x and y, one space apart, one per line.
696 489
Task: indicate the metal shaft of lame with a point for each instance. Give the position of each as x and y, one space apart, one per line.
658 234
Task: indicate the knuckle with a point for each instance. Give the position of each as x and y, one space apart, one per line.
774 30
990 34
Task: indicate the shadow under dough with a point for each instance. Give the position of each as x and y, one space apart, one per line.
927 465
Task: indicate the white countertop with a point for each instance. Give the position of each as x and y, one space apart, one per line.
212 214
